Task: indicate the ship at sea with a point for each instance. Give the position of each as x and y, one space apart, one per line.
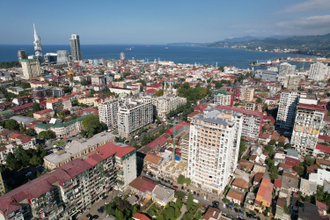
277 61
268 63
128 48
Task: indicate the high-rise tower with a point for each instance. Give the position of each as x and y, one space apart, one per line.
75 47
37 45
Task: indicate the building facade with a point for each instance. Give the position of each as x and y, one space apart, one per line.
108 113
252 121
286 69
224 98
63 57
72 188
286 110
213 148
37 45
319 72
164 104
75 47
307 126
31 68
133 114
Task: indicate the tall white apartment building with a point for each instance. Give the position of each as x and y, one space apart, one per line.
31 68
224 98
213 148
165 104
286 69
319 72
286 110
133 114
108 112
307 126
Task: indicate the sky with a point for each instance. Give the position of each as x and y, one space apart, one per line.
159 22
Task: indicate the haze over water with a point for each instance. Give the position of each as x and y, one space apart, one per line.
177 54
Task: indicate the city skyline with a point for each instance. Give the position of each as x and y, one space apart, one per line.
148 22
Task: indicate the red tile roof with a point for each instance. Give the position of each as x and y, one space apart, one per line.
265 190
43 111
158 141
109 149
323 137
140 216
22 107
325 149
278 183
312 107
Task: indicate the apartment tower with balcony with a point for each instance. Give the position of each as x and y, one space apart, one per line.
213 148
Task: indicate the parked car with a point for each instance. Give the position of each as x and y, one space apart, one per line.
224 214
175 187
232 204
203 206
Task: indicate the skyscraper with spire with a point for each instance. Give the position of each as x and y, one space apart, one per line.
37 45
75 47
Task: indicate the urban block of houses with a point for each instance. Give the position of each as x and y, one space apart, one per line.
264 194
62 130
152 190
76 149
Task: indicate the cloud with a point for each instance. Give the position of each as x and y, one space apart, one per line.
308 5
309 23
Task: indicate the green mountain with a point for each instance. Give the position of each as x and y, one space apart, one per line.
311 44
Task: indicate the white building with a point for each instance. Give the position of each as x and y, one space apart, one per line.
133 114
164 104
31 68
108 112
286 69
308 122
213 148
224 98
319 177
287 109
319 72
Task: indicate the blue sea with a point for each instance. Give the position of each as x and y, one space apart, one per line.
178 54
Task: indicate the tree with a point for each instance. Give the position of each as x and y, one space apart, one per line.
88 120
29 132
12 124
300 170
265 107
187 181
134 209
281 144
170 212
272 142
180 179
259 100
135 145
46 134
36 107
179 195
12 162
22 156
189 202
178 203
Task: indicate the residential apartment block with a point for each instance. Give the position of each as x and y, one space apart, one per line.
133 114
224 98
319 72
72 188
108 112
252 121
165 104
213 148
64 129
31 68
307 126
287 109
246 94
76 149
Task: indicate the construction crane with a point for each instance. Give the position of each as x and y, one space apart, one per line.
174 124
